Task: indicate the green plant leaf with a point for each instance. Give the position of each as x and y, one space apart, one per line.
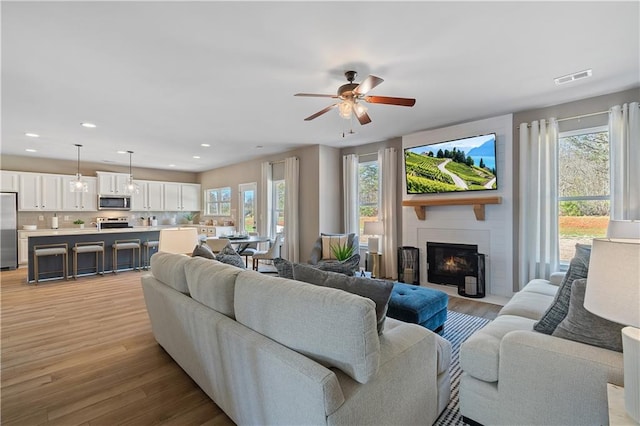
342 251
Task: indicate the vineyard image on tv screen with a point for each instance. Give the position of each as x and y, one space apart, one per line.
467 164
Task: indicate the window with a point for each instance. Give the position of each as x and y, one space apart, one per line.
218 202
583 193
277 215
247 222
368 193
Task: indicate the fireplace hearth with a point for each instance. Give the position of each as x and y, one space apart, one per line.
456 264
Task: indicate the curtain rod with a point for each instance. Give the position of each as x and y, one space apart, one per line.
276 162
575 117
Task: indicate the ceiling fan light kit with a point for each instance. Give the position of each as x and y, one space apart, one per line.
351 93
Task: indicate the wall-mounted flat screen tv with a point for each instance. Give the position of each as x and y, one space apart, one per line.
467 164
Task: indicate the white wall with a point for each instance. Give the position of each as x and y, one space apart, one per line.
457 224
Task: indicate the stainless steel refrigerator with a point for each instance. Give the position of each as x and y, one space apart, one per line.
9 230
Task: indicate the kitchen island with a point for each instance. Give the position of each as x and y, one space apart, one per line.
86 262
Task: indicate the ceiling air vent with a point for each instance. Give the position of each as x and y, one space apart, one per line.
573 77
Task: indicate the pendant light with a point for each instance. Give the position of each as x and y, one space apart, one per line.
78 185
131 187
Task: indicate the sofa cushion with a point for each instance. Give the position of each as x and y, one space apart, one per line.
212 283
582 326
169 269
528 304
480 353
377 290
541 286
557 311
333 327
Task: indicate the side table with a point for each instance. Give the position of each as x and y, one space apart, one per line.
617 413
372 264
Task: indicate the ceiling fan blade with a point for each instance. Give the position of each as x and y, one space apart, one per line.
390 101
315 95
369 83
363 117
319 113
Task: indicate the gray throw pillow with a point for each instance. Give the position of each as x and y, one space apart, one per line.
582 326
284 267
377 290
203 250
557 311
229 256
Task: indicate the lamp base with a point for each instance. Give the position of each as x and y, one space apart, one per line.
631 355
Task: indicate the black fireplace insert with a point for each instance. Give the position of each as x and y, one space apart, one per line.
456 264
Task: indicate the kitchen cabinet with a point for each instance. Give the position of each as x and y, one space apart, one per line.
9 181
23 250
150 197
39 192
111 183
79 201
181 196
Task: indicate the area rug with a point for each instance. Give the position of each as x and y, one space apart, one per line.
457 329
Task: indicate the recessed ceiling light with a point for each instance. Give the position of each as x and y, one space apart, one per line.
122 152
196 157
206 145
573 77
172 165
32 135
31 150
89 125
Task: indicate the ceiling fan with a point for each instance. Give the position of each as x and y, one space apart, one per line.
351 94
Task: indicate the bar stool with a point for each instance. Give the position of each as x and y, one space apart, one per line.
42 250
96 247
148 246
133 245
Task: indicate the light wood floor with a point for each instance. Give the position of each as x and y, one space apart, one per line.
82 353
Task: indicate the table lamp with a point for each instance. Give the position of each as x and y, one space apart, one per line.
178 240
613 293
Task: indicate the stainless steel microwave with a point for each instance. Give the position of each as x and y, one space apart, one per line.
114 202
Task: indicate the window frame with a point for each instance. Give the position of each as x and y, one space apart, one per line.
274 207
209 204
363 160
564 264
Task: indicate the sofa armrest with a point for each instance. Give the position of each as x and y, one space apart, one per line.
561 381
556 278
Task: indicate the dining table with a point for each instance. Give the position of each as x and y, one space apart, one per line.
241 242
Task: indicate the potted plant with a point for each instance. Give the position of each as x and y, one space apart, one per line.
189 217
79 222
342 251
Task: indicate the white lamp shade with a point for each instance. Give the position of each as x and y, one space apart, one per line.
178 240
373 228
624 229
613 282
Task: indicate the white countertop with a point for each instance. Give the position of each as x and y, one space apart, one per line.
88 230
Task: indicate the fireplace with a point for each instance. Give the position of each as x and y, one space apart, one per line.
456 264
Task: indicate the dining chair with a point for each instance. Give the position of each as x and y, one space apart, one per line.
217 244
249 249
272 253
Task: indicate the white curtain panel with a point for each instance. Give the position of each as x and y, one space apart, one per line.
291 249
624 157
388 160
350 164
538 224
266 198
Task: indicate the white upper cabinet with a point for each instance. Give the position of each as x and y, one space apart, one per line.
181 196
39 192
150 197
9 181
79 201
111 183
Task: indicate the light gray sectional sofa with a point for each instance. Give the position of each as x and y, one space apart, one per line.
270 350
514 375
